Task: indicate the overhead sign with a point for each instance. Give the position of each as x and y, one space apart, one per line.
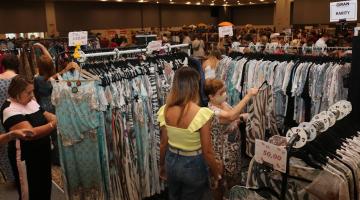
271 154
78 38
343 10
226 30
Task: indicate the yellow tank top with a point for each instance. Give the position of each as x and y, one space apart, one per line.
186 139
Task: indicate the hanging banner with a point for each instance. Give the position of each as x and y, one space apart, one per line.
343 10
226 30
78 38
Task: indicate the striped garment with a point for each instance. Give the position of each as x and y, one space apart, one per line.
261 123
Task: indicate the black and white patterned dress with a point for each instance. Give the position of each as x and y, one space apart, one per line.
226 141
5 168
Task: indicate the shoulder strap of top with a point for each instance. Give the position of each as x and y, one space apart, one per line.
200 119
161 117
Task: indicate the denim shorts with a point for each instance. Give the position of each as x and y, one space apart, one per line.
187 177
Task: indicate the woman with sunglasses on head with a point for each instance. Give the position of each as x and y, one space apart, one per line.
225 134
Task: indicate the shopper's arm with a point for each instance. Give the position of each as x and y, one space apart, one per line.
233 114
39 131
163 148
50 118
43 49
163 145
21 134
208 151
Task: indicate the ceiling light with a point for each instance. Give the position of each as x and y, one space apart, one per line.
141 1
262 0
157 2
198 3
188 3
119 0
103 0
251 2
171 2
212 4
225 5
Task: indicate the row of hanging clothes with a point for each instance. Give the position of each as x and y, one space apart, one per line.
293 89
326 168
108 135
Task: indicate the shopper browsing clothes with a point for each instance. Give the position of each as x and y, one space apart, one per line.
225 134
186 151
10 63
43 90
21 111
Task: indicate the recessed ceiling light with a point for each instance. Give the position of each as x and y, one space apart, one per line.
251 2
198 3
225 5
171 2
103 0
212 4
188 3
262 0
119 0
157 2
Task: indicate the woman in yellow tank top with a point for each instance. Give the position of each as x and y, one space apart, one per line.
186 152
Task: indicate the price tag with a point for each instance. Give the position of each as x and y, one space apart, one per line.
154 46
78 38
226 30
343 10
271 154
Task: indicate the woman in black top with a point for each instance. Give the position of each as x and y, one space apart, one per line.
21 111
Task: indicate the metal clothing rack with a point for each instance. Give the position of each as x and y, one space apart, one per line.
269 46
297 137
83 56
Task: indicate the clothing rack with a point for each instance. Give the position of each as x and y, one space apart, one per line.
117 52
297 137
269 46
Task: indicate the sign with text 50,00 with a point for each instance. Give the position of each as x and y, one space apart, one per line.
343 10
271 154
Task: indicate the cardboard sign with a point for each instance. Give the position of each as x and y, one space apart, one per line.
78 38
270 154
154 46
343 10
226 30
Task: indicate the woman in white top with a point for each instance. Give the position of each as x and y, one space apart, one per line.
210 64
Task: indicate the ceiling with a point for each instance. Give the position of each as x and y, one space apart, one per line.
193 2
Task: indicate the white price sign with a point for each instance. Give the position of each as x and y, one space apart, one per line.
343 10
154 46
226 30
78 38
271 154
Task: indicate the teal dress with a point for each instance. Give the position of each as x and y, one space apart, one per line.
82 144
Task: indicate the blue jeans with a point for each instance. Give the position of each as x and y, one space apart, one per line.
187 177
